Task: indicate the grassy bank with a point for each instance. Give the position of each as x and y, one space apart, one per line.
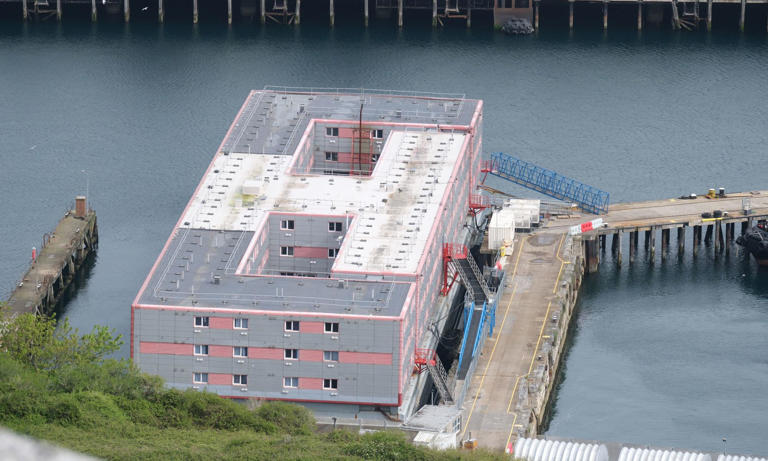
59 386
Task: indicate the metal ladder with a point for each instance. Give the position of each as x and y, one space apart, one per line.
440 377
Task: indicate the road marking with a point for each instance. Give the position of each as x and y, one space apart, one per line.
541 333
496 342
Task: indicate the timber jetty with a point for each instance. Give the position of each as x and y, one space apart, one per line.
61 257
680 14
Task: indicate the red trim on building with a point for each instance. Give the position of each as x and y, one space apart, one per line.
365 358
310 355
311 383
310 252
148 347
312 327
344 402
219 379
221 323
220 351
269 353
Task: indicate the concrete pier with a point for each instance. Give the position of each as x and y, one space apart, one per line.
62 256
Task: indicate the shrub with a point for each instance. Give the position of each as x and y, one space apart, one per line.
385 445
62 409
292 419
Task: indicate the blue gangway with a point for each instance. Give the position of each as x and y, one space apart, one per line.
526 174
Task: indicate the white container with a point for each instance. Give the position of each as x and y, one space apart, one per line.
530 208
501 229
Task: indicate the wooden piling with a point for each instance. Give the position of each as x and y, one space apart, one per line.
160 12
602 241
647 240
614 243
536 14
743 227
640 15
729 231
664 243
653 245
680 241
58 10
24 12
696 239
605 15
718 236
365 12
709 15
570 14
591 255
263 8
632 246
332 13
434 13
742 15
708 234
617 251
399 13
93 11
127 10
229 10
194 11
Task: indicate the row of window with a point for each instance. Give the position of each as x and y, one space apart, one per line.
237 323
290 325
289 354
288 251
334 157
290 224
334 132
288 381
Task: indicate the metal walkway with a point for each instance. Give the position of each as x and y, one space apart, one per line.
547 182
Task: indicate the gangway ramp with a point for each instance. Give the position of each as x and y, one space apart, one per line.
548 182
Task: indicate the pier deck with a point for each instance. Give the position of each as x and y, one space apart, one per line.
510 356
515 374
672 213
58 261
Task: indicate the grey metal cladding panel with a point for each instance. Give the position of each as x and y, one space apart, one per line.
164 326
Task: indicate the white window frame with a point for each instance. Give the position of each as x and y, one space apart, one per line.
332 131
330 356
333 252
242 321
289 324
291 354
378 132
287 224
239 380
335 226
200 378
242 349
204 322
331 156
286 251
201 349
328 384
291 382
328 327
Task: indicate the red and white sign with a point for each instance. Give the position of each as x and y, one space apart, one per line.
586 227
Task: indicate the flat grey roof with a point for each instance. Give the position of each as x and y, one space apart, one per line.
185 277
273 120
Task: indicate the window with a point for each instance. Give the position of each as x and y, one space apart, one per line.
331 131
286 251
200 378
333 252
332 156
330 383
334 226
240 351
377 134
291 354
239 380
291 382
201 349
201 321
331 356
241 323
522 4
286 224
331 327
291 325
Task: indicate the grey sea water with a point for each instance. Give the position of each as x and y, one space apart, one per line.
673 355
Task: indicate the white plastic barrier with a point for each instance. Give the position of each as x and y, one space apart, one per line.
557 450
647 454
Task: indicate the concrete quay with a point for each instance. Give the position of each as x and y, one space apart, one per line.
511 388
62 256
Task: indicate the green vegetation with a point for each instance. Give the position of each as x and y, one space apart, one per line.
60 386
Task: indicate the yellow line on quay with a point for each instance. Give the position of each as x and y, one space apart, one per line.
538 342
496 342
